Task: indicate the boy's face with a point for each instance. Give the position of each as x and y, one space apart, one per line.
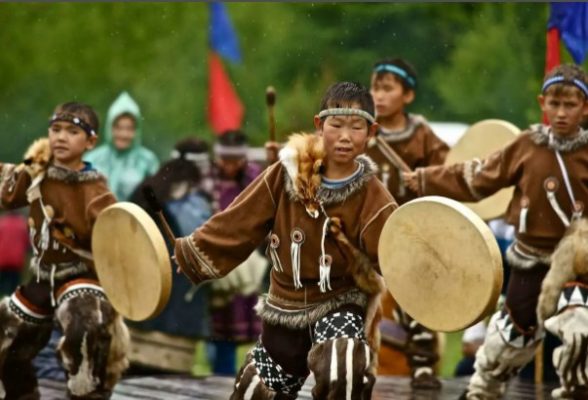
123 132
389 96
68 142
564 112
345 136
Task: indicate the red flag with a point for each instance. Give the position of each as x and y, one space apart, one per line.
225 110
552 54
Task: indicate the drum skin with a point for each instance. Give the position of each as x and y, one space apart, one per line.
479 141
132 261
441 263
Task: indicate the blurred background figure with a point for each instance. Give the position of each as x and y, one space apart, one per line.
121 157
14 243
166 343
235 325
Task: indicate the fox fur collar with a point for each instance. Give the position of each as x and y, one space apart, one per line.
303 158
540 135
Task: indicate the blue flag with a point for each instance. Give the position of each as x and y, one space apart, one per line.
571 19
223 39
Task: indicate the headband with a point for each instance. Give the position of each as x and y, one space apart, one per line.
230 151
347 111
74 120
560 79
195 157
396 71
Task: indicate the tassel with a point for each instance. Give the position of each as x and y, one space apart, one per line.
297 237
324 266
385 174
401 187
523 215
52 280
274 244
562 216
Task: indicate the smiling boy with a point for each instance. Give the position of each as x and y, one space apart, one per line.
547 166
313 316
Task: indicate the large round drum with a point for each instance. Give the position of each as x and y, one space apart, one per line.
441 263
132 261
479 141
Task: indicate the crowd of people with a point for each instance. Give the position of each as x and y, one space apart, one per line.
306 196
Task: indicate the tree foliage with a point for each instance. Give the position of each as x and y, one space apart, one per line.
474 61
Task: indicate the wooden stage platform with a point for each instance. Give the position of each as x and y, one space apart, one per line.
219 388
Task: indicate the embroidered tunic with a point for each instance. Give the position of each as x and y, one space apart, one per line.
541 202
269 206
61 237
417 145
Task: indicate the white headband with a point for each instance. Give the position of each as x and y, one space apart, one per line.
195 157
347 111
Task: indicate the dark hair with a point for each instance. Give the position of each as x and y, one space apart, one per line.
345 94
80 110
173 171
232 138
569 72
402 64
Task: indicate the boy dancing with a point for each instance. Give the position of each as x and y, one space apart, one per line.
65 196
547 166
393 88
323 209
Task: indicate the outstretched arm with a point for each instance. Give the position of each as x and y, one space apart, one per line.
228 238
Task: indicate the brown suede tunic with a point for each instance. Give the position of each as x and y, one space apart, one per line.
269 207
531 166
75 198
417 145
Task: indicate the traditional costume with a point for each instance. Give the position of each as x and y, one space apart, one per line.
418 146
314 307
549 175
63 207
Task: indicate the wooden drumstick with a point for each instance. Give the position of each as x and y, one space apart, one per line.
156 208
391 155
270 100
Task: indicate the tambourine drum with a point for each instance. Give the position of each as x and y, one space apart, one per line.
441 263
479 141
132 261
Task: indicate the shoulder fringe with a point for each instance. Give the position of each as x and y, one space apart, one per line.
540 135
69 176
302 318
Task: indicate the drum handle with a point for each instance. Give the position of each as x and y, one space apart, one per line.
270 101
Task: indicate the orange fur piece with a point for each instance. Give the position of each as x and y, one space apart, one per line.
36 158
310 153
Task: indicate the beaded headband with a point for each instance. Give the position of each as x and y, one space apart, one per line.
347 111
396 70
74 120
560 79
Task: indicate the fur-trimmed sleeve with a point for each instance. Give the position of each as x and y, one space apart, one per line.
472 180
13 187
98 203
382 205
229 237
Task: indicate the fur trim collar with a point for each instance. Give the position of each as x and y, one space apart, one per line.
303 159
307 314
413 121
540 135
69 176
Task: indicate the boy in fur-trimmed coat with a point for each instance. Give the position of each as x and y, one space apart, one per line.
323 209
65 197
547 166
